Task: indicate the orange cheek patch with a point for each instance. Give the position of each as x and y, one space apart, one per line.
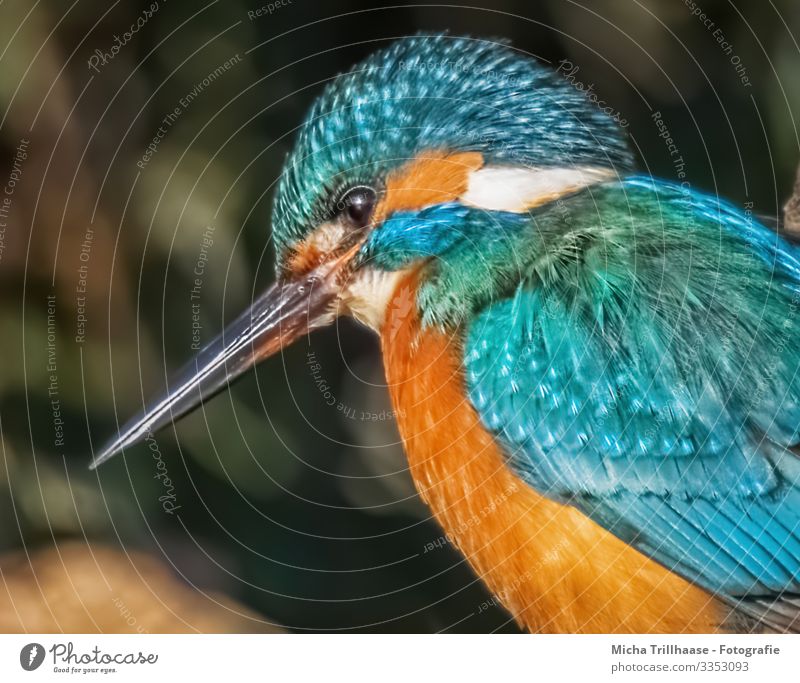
306 257
431 178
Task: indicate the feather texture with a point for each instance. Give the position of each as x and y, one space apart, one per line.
437 92
643 370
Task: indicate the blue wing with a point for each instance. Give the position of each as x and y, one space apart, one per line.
646 369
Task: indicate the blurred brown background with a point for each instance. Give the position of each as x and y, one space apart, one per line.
128 163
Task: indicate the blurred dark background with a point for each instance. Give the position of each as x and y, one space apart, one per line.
297 510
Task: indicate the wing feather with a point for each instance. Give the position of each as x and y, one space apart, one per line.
645 369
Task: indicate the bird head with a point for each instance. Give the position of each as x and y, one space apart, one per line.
393 163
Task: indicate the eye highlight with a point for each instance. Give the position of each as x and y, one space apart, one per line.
357 206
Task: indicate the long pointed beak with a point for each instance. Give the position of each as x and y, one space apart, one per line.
285 312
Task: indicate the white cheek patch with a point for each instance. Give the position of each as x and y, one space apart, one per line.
517 189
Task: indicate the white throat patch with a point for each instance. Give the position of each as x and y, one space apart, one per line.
369 293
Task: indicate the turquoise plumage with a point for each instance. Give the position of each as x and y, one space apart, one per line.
634 348
649 376
435 92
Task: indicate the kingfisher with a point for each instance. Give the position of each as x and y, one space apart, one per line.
594 372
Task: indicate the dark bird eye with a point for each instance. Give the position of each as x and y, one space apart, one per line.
357 205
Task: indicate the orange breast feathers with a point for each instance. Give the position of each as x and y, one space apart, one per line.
553 568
